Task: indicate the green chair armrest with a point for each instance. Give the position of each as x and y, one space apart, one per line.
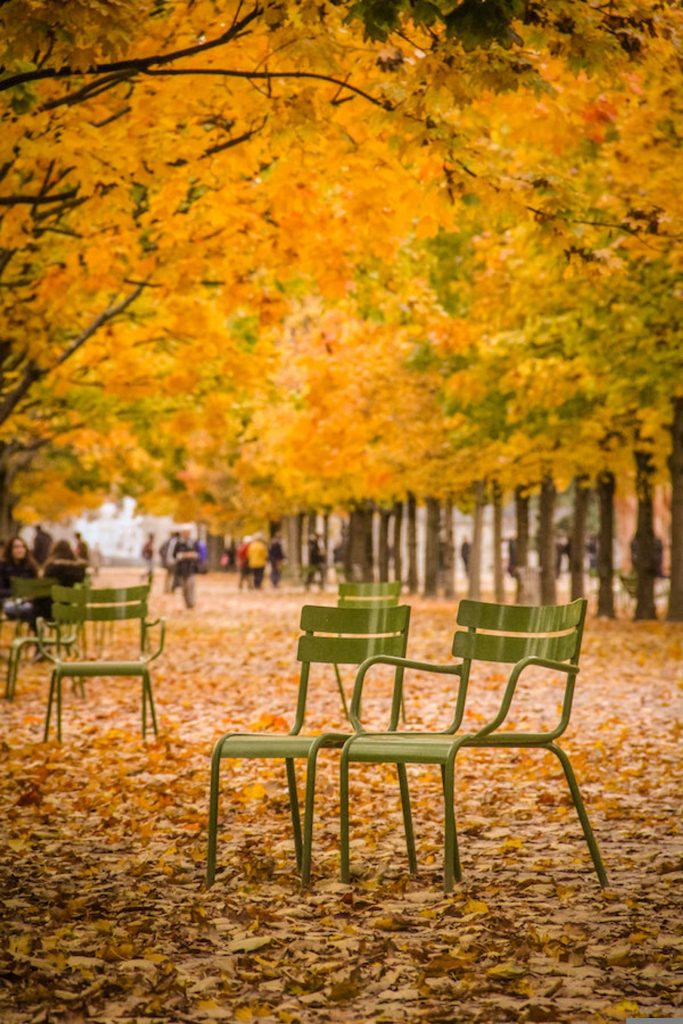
42 625
400 663
532 660
161 623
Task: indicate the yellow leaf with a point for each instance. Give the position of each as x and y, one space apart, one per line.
476 907
620 1011
509 969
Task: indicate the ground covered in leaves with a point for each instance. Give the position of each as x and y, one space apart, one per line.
102 853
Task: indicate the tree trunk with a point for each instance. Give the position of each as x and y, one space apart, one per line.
546 540
368 525
215 544
606 488
521 560
294 532
412 544
431 586
397 540
645 559
498 578
360 533
383 545
448 551
311 525
8 524
675 609
577 545
474 587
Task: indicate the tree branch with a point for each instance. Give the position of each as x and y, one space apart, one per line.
135 64
39 199
33 372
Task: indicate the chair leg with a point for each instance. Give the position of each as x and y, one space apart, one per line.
58 683
340 687
48 714
344 815
407 817
147 696
581 811
144 706
306 853
452 871
294 808
12 670
213 814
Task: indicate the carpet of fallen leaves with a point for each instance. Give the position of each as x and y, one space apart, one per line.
102 854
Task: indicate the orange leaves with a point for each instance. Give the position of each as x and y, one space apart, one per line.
121 923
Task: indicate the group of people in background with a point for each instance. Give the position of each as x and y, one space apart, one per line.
60 561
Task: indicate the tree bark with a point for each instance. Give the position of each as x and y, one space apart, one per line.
675 609
522 539
474 586
383 545
606 488
431 583
397 540
348 547
546 540
644 555
577 549
498 577
412 543
215 544
360 540
368 526
294 533
449 551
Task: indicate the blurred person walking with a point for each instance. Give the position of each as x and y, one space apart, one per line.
186 564
257 558
42 545
276 556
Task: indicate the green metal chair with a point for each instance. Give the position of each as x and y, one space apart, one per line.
72 608
24 590
364 595
334 636
549 637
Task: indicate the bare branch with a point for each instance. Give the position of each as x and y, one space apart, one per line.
135 64
38 200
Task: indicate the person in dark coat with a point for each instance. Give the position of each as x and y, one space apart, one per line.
186 564
17 562
42 545
276 557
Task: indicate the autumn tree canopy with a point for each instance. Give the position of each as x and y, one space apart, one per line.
246 249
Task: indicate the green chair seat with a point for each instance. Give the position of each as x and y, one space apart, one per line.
330 636
275 745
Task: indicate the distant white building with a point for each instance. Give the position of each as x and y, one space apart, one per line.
117 530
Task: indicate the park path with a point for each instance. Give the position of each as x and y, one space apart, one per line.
102 858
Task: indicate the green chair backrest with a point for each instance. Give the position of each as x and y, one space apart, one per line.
363 595
510 633
347 636
550 631
78 604
29 589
